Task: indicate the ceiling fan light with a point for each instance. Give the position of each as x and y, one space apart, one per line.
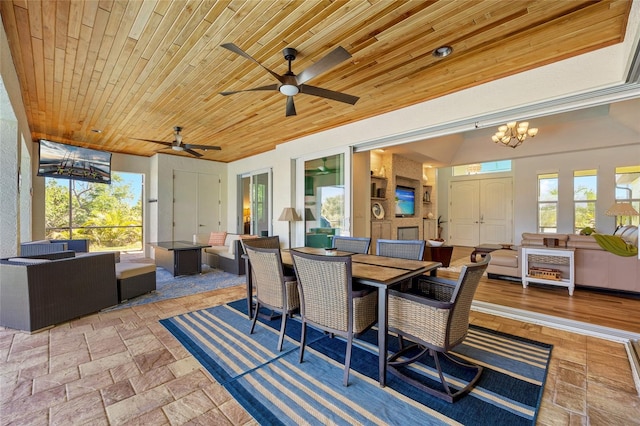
177 148
289 89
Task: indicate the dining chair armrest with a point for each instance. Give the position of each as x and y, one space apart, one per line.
434 287
418 317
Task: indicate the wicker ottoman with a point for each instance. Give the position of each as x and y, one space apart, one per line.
504 263
135 279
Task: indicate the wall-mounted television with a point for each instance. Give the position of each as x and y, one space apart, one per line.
405 201
73 162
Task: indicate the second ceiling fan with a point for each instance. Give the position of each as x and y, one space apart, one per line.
290 84
177 144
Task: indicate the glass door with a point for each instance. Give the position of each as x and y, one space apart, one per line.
327 198
256 203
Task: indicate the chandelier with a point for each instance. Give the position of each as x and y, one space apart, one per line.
513 134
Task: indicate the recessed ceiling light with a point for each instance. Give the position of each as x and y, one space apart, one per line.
442 51
96 130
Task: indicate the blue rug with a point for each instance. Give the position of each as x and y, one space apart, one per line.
170 287
275 389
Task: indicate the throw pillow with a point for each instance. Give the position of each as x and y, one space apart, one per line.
217 238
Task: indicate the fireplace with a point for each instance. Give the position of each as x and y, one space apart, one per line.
408 233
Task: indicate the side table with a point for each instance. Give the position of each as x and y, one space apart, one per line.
483 250
440 254
548 257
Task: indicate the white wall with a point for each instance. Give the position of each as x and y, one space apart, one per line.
14 129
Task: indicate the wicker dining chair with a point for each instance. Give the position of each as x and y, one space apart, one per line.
403 249
328 301
261 242
435 316
273 289
352 244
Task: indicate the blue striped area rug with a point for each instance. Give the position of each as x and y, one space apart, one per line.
276 389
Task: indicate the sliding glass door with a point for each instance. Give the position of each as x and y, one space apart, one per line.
255 197
326 210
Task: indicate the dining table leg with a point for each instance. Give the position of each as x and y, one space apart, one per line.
382 335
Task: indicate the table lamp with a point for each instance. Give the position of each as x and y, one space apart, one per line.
621 209
289 214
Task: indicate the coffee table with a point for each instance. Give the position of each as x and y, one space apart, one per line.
483 250
179 257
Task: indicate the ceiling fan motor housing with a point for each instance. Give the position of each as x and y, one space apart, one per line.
290 53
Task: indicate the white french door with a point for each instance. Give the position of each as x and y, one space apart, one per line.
481 212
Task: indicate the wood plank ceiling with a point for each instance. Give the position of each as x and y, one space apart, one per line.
135 69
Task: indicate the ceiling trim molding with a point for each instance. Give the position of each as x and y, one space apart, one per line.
604 96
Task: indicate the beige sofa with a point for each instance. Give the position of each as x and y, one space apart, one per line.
594 266
227 257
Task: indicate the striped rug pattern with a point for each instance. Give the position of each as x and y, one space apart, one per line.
276 389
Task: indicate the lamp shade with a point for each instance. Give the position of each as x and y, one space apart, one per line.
308 215
289 215
621 209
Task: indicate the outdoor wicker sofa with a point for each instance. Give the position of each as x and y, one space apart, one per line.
49 289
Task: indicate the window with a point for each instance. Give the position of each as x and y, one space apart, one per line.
482 168
585 192
110 216
628 191
548 202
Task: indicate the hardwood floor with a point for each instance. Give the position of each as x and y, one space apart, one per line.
123 367
605 309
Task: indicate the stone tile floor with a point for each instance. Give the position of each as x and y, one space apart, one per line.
123 367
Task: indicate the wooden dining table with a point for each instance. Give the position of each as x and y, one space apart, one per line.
380 272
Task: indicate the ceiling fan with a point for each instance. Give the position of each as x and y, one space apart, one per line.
177 144
321 170
291 84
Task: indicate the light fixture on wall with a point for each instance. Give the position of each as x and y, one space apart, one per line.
289 214
621 210
474 169
513 133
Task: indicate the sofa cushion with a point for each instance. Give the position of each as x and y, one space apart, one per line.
27 260
583 242
126 270
229 242
629 233
217 238
505 257
532 239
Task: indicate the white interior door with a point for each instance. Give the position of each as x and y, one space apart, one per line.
496 211
464 217
481 212
208 203
196 204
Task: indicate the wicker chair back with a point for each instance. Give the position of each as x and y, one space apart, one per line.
328 302
352 244
403 249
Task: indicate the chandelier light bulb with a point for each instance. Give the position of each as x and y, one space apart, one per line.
513 133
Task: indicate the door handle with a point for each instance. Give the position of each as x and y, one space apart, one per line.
200 225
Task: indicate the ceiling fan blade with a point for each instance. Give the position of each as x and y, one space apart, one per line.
329 94
203 147
269 87
235 49
333 58
154 141
291 107
192 152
